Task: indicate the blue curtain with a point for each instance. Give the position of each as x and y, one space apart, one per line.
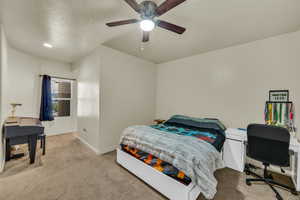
46 112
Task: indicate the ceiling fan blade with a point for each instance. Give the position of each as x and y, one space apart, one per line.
170 27
133 4
123 22
167 5
146 36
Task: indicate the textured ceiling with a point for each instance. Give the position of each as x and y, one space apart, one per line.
76 27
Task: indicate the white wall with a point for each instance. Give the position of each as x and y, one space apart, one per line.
3 89
88 89
231 84
127 96
25 87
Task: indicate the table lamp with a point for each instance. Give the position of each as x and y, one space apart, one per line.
13 111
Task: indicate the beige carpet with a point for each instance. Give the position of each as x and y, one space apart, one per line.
70 171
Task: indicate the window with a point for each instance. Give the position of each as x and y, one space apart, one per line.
61 97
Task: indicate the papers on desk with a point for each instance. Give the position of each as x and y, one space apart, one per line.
22 121
29 121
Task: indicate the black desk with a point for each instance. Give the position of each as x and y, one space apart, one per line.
22 130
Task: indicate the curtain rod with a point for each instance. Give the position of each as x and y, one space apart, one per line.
71 79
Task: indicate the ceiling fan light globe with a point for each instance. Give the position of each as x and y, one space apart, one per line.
147 25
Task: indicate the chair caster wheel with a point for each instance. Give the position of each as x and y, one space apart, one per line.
279 197
294 192
248 183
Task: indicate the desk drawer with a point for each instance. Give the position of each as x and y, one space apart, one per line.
18 140
19 131
234 154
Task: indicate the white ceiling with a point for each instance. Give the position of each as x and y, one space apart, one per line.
76 27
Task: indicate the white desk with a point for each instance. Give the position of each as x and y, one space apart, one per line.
234 153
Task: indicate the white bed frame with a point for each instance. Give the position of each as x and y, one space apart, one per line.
233 155
166 185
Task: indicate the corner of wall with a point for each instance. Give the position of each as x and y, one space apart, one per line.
1 139
3 112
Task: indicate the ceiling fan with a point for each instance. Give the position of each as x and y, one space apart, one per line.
148 11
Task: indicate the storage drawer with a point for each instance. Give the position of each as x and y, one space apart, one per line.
234 154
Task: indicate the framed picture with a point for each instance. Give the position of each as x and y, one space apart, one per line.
279 95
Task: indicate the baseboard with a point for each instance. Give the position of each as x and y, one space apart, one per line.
109 149
55 134
88 145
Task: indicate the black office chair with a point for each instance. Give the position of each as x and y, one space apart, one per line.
269 145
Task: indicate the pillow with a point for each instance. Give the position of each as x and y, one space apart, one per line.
207 123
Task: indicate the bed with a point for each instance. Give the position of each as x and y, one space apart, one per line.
177 158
